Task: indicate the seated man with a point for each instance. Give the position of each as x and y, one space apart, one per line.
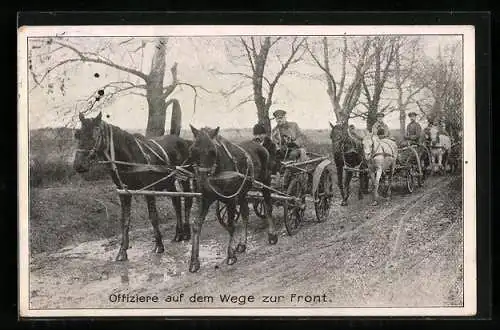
288 137
261 136
413 130
380 128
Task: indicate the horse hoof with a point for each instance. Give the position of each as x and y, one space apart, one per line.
186 237
374 203
344 203
159 249
178 237
231 260
122 255
241 248
273 239
194 266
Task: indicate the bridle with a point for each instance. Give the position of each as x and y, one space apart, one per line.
100 145
210 171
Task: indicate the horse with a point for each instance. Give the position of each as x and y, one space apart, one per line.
440 148
348 151
455 157
99 140
216 161
381 156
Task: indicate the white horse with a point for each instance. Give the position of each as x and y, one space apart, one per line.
439 150
381 156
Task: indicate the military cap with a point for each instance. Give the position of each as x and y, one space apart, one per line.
412 114
279 113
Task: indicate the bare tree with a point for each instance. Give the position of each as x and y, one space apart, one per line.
52 59
407 56
441 77
261 62
374 81
357 54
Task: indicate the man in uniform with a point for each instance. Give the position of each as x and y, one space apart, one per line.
287 133
380 128
413 130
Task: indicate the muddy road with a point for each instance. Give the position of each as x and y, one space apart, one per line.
406 252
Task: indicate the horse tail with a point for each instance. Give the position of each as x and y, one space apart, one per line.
176 117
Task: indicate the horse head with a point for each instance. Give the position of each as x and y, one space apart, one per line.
203 151
433 135
369 142
91 142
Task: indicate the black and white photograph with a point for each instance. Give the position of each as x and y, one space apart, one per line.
247 170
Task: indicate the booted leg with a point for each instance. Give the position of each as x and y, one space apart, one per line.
194 263
126 201
153 217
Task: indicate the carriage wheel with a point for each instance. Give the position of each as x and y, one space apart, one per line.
294 213
323 196
221 213
259 209
410 181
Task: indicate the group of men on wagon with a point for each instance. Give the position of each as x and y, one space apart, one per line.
287 142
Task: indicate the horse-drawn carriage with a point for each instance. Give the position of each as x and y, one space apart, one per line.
295 183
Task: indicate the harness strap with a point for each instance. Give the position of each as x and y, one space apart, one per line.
112 157
220 142
166 159
146 156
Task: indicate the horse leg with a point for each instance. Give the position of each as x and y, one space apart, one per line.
153 217
245 213
231 228
126 201
376 182
268 209
347 185
391 175
188 203
177 202
340 183
194 264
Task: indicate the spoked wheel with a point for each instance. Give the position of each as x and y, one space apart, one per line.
410 181
323 196
294 212
221 213
258 207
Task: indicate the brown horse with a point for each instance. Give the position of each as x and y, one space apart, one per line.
98 140
225 172
348 152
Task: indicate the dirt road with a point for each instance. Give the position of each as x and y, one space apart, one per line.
405 252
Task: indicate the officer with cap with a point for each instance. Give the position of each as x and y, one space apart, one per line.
287 133
380 128
413 130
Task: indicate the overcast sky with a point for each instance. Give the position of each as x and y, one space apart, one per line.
305 99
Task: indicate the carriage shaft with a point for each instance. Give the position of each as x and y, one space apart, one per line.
158 193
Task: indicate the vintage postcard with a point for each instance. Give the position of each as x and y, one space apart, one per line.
247 171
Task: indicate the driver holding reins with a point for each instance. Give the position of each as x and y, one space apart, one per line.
287 134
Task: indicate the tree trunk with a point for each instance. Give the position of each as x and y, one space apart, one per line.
261 103
371 116
399 86
154 92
